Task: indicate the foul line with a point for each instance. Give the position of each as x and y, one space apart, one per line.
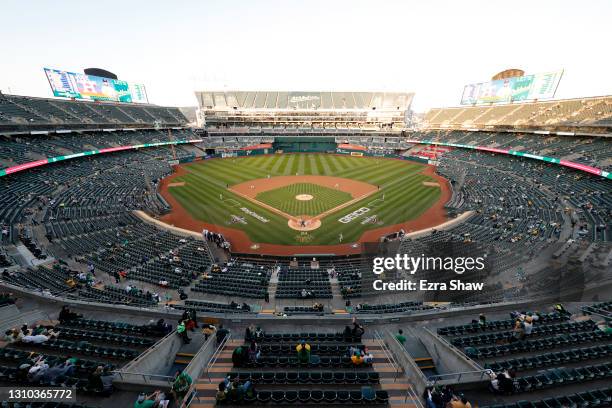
232 202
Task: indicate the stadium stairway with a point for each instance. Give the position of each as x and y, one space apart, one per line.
338 302
392 380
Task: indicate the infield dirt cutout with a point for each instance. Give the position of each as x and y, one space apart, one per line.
250 189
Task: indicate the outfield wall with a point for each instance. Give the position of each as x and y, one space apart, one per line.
566 163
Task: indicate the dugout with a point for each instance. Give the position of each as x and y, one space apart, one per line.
305 144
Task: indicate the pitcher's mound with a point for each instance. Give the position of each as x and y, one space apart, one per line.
304 197
304 223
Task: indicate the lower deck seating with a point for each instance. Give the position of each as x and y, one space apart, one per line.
277 372
68 354
561 352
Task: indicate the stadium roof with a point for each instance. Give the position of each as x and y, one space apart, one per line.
304 100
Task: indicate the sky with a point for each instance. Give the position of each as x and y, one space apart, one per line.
430 47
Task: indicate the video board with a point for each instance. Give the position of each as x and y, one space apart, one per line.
528 87
74 85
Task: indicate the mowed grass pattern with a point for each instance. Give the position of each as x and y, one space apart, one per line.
206 197
324 199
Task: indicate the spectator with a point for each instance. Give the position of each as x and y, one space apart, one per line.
249 333
182 332
347 334
39 338
482 319
517 333
459 401
94 381
221 395
66 315
400 337
208 330
303 352
180 386
528 326
221 334
432 398
506 382
357 330
237 391
561 310
253 352
259 334
145 401
357 358
239 356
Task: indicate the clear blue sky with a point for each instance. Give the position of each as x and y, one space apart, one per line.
431 47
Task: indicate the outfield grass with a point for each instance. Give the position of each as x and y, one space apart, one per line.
206 198
324 199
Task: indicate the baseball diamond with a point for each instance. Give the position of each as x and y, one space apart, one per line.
268 185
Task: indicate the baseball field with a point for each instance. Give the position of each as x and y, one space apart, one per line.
304 199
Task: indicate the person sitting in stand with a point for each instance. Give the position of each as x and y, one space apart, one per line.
303 352
221 395
259 334
253 352
518 333
357 330
239 356
527 326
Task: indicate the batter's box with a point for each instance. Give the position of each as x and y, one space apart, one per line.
231 202
376 203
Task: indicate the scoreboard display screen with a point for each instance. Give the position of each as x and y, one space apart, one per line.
74 85
528 87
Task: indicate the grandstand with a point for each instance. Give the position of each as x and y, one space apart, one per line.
299 110
574 115
23 113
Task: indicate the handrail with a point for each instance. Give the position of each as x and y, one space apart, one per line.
440 377
195 373
215 355
388 354
192 393
144 376
454 349
410 392
147 352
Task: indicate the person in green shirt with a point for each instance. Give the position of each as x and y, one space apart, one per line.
181 330
400 337
181 384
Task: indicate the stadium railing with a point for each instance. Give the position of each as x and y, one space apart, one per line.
201 363
460 377
415 375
